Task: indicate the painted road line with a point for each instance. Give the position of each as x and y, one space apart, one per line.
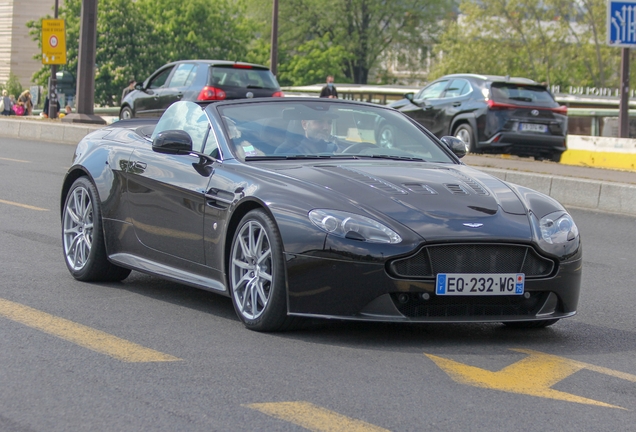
15 160
533 376
81 335
23 205
313 417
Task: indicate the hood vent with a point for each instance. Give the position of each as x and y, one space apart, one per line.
420 189
456 189
374 182
473 184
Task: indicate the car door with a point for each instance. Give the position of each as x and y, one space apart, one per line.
179 82
453 101
147 103
424 107
166 193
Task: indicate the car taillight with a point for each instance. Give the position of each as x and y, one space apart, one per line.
211 93
278 94
240 66
562 109
499 106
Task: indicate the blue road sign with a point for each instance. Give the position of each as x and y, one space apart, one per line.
621 23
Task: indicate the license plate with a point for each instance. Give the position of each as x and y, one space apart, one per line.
479 284
533 127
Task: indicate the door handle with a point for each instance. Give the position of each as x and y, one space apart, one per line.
179 95
139 165
456 104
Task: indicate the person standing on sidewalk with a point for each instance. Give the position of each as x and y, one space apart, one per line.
329 91
25 101
6 103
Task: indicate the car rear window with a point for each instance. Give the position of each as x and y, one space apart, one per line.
240 77
521 94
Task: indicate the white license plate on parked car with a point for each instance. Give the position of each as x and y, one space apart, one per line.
479 284
533 127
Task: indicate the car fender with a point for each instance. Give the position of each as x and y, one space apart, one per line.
463 118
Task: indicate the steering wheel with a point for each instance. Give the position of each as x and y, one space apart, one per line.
355 148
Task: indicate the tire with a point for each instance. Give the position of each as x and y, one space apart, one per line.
465 133
530 324
126 113
257 274
386 136
556 157
83 236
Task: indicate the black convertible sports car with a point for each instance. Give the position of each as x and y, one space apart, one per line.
298 207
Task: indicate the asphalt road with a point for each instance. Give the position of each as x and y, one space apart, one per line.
67 349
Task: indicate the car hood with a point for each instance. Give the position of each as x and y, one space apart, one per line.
434 200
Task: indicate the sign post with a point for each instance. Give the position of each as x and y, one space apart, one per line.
621 32
53 53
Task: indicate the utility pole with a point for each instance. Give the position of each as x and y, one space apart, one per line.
623 113
85 92
273 58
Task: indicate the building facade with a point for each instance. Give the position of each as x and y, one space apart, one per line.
17 47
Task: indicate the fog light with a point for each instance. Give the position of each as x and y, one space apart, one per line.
425 296
403 298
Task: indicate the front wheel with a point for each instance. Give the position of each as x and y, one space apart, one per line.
125 113
465 133
83 238
257 277
385 136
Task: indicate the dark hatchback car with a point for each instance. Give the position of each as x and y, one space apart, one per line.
492 114
198 81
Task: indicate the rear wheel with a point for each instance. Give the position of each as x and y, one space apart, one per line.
530 324
257 278
385 136
125 113
465 133
83 237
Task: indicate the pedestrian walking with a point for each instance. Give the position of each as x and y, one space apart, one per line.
24 106
131 87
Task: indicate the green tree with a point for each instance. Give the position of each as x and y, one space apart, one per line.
345 38
12 86
554 41
134 38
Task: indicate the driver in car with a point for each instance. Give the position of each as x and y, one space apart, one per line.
317 137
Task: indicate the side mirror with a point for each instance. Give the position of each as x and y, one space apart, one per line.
409 96
457 146
139 86
172 142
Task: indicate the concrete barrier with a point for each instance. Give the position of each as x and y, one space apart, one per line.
600 152
44 130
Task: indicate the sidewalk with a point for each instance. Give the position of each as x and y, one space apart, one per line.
591 188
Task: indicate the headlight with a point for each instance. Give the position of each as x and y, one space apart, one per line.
557 228
557 233
353 226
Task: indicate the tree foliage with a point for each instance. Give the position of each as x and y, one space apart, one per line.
554 41
345 38
134 38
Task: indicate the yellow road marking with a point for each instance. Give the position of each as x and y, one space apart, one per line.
313 417
82 335
533 375
23 205
15 160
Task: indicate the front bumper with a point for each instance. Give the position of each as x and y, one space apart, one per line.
331 288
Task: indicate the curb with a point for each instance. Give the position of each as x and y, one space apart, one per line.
569 191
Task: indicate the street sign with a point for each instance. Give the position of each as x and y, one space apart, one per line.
53 42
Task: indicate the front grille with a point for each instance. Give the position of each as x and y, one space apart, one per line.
472 258
411 305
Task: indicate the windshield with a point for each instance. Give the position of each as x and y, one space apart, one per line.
320 129
513 93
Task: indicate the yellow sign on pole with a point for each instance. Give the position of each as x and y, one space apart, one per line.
53 42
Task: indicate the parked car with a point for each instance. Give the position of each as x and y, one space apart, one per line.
492 114
198 80
293 209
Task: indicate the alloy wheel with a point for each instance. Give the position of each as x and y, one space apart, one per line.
251 270
78 228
